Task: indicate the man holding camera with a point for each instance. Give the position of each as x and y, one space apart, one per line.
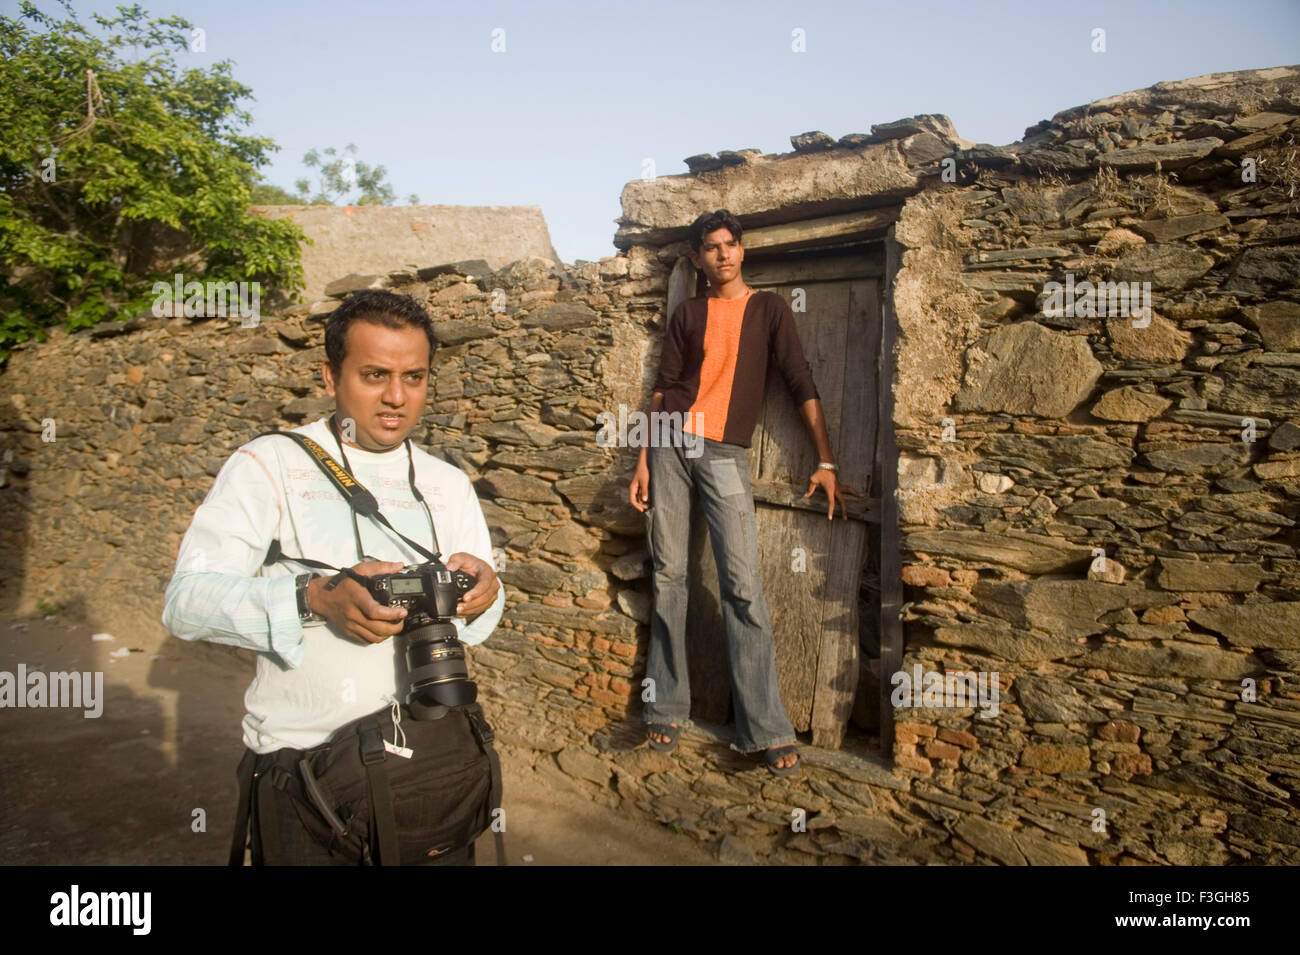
324 653
713 371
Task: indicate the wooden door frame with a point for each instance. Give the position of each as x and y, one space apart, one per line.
686 282
891 557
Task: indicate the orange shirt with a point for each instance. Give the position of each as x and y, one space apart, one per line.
708 414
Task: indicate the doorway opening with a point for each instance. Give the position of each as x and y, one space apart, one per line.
834 613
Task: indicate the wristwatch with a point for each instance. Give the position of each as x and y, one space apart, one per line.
827 466
305 614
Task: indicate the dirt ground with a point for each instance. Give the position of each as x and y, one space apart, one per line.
127 788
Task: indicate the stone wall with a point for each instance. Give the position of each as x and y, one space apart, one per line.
1151 695
1027 440
142 416
1098 511
529 355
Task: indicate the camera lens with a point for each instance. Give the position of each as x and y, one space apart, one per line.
436 662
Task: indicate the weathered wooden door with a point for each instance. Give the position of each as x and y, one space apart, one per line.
811 567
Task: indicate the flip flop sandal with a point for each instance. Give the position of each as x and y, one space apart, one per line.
771 756
663 729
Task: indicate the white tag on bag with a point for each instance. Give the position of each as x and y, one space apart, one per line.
398 747
403 751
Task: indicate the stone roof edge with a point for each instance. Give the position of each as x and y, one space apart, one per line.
1193 91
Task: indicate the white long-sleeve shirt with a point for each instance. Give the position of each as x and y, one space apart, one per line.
311 679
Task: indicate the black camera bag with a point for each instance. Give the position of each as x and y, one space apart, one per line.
374 807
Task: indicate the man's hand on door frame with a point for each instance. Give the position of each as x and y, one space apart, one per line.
835 491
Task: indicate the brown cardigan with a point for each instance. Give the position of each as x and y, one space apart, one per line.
768 335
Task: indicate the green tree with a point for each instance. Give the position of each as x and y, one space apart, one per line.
269 194
338 175
106 143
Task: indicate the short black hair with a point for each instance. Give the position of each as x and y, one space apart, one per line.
712 222
380 308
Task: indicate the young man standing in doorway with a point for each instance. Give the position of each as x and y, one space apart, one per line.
713 372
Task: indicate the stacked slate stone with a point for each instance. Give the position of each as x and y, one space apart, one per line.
1114 533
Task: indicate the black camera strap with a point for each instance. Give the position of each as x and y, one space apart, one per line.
359 499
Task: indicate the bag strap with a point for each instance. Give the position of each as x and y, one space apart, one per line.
358 498
387 851
240 839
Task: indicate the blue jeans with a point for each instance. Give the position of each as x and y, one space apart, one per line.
719 474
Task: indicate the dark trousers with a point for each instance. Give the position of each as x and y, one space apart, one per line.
276 834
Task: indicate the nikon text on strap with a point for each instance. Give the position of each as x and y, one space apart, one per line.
358 498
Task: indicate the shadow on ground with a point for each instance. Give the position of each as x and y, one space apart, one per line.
123 788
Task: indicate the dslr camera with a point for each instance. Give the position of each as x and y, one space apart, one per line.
435 659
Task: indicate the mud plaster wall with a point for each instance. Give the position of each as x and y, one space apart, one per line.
369 239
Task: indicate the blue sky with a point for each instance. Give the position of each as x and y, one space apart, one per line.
585 92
